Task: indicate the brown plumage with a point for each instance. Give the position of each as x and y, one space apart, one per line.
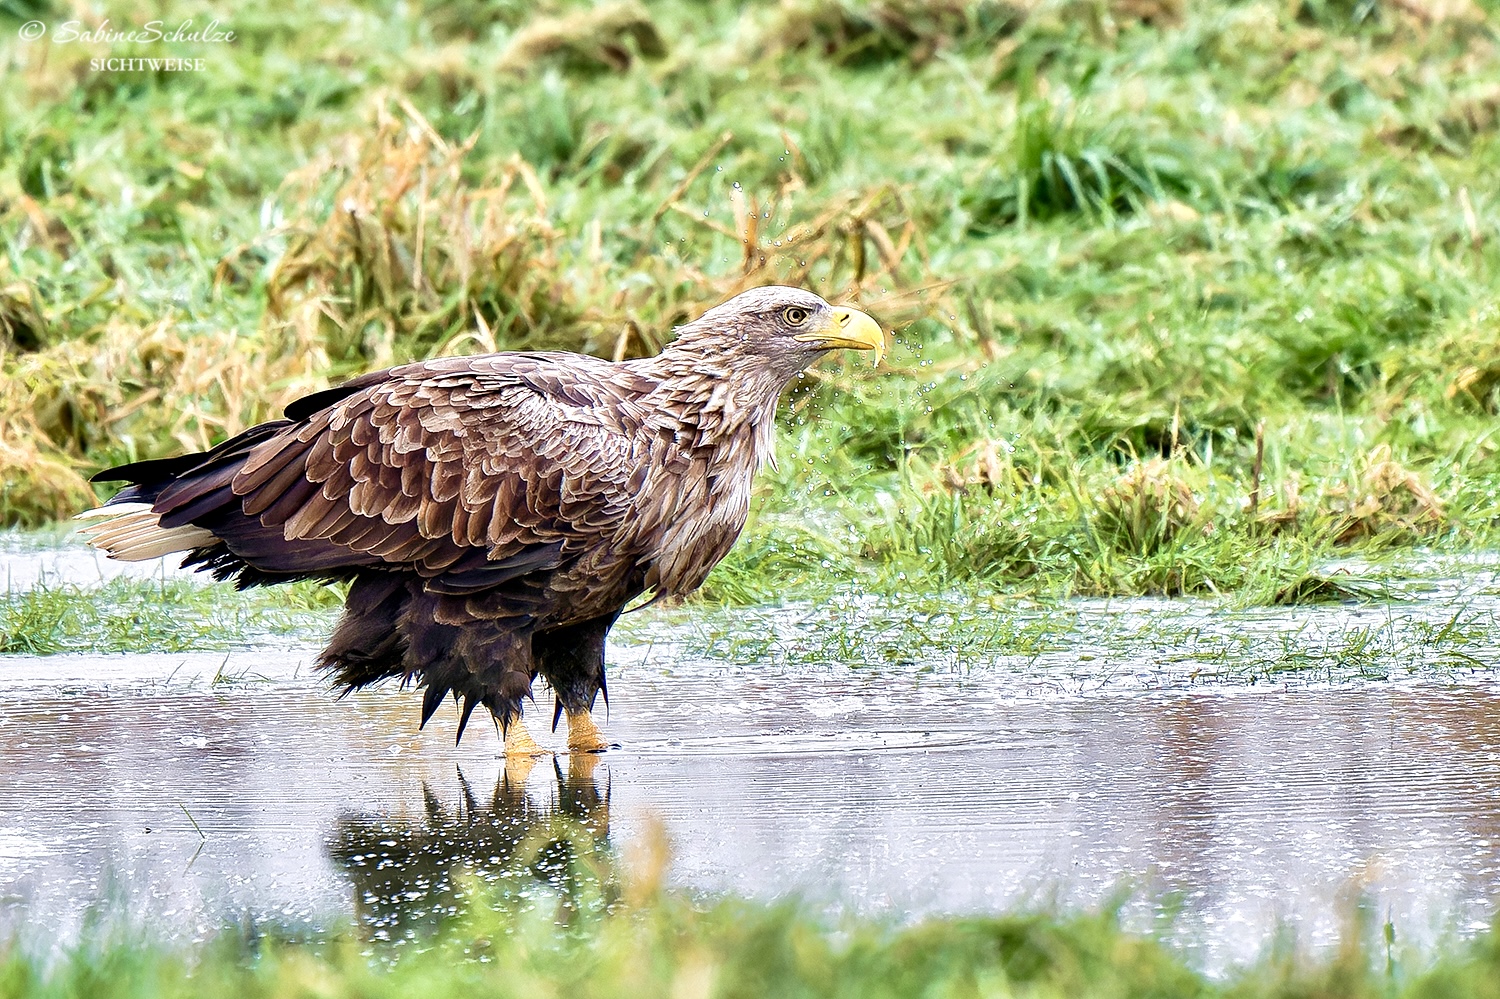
494 513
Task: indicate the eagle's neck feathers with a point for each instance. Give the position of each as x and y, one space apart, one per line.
719 414
723 403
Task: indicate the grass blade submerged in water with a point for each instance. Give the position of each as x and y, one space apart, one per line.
126 615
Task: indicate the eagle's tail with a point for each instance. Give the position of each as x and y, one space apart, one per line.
129 526
132 532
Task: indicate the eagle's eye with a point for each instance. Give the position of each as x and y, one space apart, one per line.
795 315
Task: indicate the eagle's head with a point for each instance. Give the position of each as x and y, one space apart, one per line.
782 329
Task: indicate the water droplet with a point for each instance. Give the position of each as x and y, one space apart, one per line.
736 185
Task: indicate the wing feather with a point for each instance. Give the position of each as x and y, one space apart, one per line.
297 496
470 470
265 463
283 476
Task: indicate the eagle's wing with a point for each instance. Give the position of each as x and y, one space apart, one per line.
472 471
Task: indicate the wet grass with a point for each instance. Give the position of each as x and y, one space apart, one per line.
1187 297
130 615
1386 621
1101 644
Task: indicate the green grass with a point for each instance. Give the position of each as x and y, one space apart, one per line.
1103 233
606 935
126 615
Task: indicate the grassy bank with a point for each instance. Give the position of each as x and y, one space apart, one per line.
1337 628
1183 293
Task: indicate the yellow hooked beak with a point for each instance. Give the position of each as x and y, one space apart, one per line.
848 328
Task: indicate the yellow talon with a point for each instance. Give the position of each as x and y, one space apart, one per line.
583 735
518 741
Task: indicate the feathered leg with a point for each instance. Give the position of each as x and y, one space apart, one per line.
365 647
452 644
572 661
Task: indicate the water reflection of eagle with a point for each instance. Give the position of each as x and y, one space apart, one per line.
493 514
408 875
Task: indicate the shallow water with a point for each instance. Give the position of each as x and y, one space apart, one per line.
196 787
135 777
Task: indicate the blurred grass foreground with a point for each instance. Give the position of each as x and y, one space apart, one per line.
1188 294
601 930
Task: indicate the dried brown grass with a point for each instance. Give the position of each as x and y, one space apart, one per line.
1156 13
39 481
1385 498
607 37
916 30
404 258
153 389
21 324
859 246
1430 12
1381 498
985 465
1148 507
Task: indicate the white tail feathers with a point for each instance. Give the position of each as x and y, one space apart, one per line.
131 532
